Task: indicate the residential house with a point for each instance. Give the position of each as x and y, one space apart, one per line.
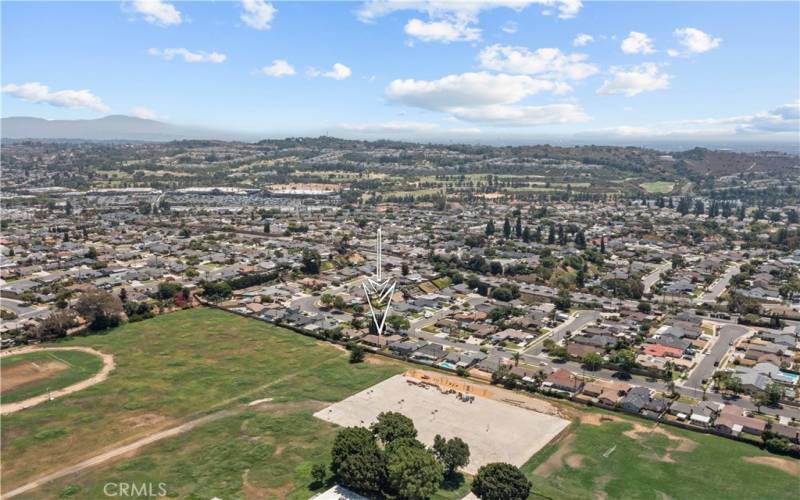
563 380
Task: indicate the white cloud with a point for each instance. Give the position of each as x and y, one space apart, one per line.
788 111
673 52
783 121
468 89
695 41
547 62
632 81
784 118
257 14
637 43
487 98
454 20
158 12
143 113
510 27
338 72
373 9
39 93
523 116
582 40
187 55
442 31
279 68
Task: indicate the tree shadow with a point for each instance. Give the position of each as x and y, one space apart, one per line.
452 482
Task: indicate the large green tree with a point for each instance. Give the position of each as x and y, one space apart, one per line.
101 309
501 481
412 473
592 360
357 462
311 261
453 453
392 425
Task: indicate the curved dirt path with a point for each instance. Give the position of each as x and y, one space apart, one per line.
108 365
133 447
118 452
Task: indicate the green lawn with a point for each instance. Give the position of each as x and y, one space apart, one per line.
442 282
654 465
80 366
177 367
658 187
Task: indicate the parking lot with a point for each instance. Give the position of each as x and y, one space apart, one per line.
495 431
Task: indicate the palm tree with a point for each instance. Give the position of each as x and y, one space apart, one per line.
516 357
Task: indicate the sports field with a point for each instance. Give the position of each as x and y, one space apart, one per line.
658 187
606 455
23 376
174 369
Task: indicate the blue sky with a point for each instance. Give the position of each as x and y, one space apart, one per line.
464 70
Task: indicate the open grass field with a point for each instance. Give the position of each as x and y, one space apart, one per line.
658 187
23 376
655 462
178 367
203 362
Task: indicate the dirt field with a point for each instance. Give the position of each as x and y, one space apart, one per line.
783 464
26 372
495 431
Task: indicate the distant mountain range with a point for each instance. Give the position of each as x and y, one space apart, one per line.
109 128
125 128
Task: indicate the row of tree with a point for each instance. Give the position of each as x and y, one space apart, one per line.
558 233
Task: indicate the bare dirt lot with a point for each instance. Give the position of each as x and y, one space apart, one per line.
495 431
26 372
786 465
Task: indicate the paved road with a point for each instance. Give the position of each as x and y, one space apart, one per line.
308 303
417 325
655 276
722 343
16 306
746 403
718 287
572 325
